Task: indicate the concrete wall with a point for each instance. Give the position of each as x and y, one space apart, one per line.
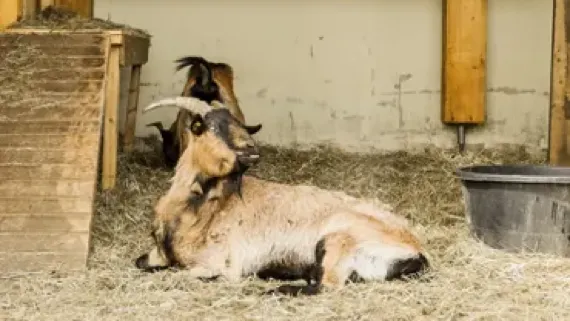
317 73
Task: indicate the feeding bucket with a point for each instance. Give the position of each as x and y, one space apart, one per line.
519 207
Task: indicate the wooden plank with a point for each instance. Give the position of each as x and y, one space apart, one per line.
41 223
47 171
74 51
69 62
46 194
72 156
30 205
47 140
82 7
64 51
46 3
10 10
464 61
49 127
111 118
21 262
46 188
134 50
43 242
132 106
49 38
37 99
67 86
57 51
88 112
558 153
66 74
29 8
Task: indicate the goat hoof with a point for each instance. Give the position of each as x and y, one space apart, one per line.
294 290
142 262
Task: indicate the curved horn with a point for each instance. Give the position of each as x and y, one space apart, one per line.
193 105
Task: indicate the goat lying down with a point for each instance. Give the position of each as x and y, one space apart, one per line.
205 80
215 221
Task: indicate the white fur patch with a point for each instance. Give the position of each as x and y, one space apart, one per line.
372 260
252 254
155 259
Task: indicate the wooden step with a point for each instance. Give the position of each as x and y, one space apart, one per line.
60 74
30 205
26 262
47 140
45 223
43 242
52 112
48 156
46 188
49 127
54 40
47 171
66 86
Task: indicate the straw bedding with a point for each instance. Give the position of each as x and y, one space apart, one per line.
469 280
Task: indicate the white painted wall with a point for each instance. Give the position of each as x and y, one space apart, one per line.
317 73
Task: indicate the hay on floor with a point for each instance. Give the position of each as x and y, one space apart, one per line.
469 281
62 18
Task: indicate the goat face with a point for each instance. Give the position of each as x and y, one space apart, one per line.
217 142
170 148
220 144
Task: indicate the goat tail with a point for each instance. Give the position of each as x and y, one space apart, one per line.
204 65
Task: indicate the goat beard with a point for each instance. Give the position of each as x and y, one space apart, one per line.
237 176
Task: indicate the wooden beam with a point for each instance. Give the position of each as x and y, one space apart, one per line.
559 153
10 10
464 61
83 7
110 137
29 8
132 108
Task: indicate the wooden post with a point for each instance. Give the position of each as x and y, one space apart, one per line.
559 152
10 10
464 61
46 3
82 7
29 8
109 171
132 106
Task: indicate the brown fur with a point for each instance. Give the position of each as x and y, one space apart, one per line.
223 77
232 237
215 221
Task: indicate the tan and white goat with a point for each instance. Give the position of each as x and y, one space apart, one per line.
215 221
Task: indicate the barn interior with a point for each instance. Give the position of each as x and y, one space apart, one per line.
125 175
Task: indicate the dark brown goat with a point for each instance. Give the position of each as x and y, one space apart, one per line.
207 81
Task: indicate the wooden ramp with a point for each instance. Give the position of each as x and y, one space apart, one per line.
52 92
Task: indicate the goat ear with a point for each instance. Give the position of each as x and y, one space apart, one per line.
252 129
197 126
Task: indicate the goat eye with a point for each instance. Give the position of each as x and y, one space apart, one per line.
197 127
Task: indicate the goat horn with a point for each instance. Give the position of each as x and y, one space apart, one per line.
194 105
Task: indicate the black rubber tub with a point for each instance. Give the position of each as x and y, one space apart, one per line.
519 208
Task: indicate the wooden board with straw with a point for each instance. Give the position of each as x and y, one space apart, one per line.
52 91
